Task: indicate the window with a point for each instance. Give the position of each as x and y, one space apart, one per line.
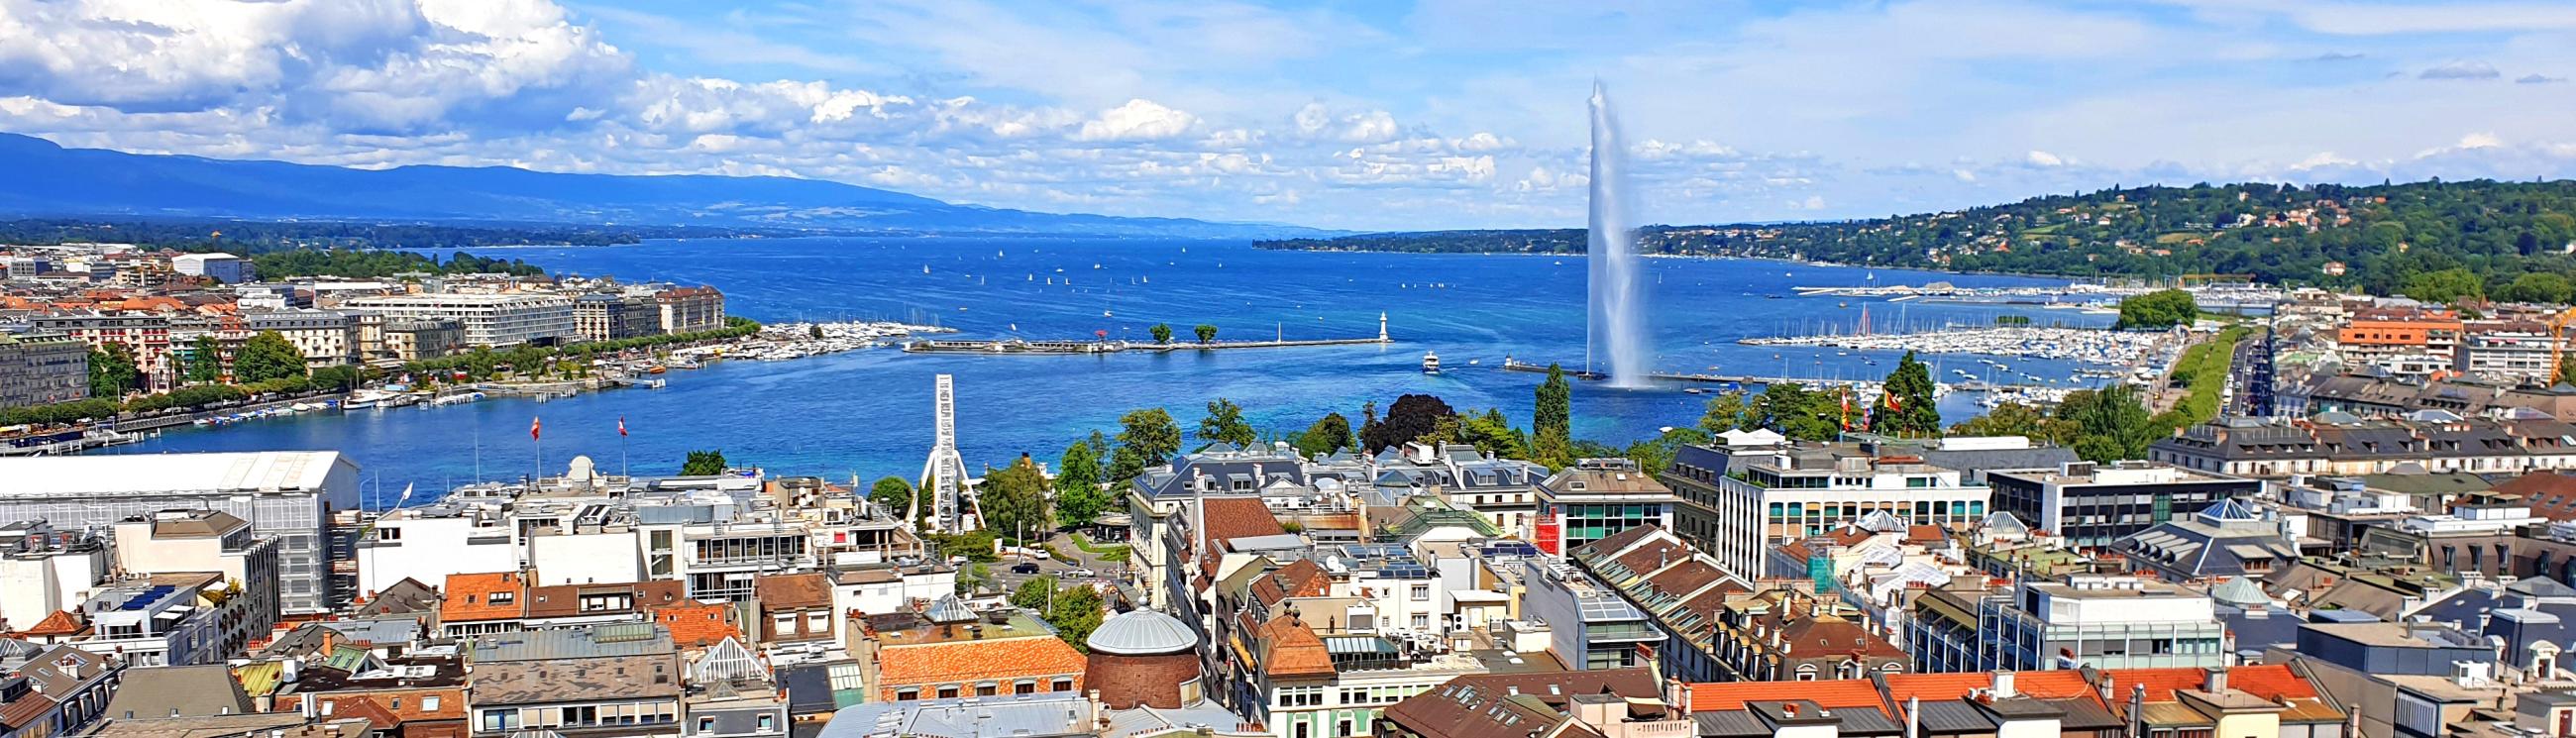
497 720
818 623
987 689
947 691
1025 686
907 693
1061 684
1421 621
706 725
427 704
397 702
768 722
501 598
1421 592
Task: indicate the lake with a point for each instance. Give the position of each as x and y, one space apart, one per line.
869 413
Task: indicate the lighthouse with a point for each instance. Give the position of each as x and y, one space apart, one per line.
1381 327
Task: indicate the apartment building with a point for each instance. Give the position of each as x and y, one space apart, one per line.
42 368
489 319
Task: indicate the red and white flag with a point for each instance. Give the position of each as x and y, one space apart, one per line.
621 426
534 426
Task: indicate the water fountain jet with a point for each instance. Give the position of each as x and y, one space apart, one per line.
1618 325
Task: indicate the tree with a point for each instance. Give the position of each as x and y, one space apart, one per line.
2446 286
703 464
112 371
267 356
1077 611
1162 332
1078 496
2158 309
1013 499
1205 332
2008 419
2542 287
1552 419
1905 406
1491 433
1224 422
1795 412
1654 455
1329 434
814 331
1146 438
2109 424
1035 595
1409 419
892 493
1728 411
205 361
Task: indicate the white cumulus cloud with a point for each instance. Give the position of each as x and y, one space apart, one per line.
1138 120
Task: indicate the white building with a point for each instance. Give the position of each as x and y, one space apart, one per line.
325 337
44 569
427 544
221 267
288 495
502 319
1769 500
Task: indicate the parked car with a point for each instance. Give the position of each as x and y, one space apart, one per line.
1080 573
1025 567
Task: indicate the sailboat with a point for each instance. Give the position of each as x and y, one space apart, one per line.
925 269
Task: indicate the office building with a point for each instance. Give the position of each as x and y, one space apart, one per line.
489 319
2093 504
287 495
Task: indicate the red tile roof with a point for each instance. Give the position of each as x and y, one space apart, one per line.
2550 494
18 713
469 597
969 661
61 623
1229 518
2268 681
2047 685
698 624
1837 694
1289 648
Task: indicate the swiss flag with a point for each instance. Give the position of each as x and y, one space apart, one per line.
534 426
621 426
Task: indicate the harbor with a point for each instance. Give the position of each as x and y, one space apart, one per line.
1102 344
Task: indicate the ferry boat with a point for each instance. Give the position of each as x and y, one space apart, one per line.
1430 363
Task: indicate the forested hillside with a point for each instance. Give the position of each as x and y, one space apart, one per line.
2382 238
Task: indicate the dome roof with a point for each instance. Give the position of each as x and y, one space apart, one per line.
1142 633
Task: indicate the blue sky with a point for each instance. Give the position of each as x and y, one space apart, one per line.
1361 115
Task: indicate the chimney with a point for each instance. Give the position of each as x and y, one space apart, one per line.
2215 680
1914 716
2004 685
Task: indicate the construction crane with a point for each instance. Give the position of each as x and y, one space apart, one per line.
2558 345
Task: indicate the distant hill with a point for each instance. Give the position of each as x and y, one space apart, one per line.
47 180
2513 237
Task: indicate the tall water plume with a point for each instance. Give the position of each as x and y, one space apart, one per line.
1618 324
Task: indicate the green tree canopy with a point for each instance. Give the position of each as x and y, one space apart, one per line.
1162 332
1409 419
1329 434
1492 433
1078 496
2109 424
267 356
1224 422
1014 499
703 464
1205 332
1146 438
2542 287
1728 411
1654 455
205 361
1552 420
2446 286
1906 407
112 371
892 493
2158 309
2009 419
1798 413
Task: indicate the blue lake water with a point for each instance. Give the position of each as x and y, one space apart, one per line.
869 413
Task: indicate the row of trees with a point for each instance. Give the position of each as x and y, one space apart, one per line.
1163 333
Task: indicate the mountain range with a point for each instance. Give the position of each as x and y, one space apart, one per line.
48 180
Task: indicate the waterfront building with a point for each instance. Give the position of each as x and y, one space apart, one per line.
1155 497
218 266
145 334
42 369
1596 498
690 309
287 495
2103 621
2093 504
489 319
327 338
1755 502
612 316
2371 335
1502 490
